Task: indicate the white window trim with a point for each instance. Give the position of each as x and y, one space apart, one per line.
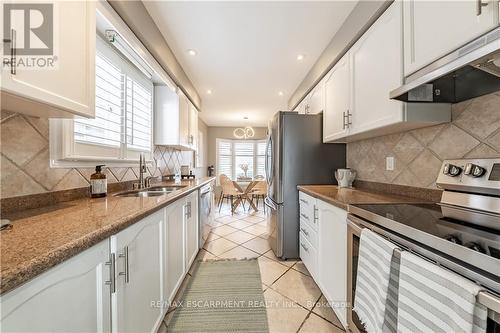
233 155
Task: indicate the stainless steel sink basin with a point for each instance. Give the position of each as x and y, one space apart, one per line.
167 189
143 194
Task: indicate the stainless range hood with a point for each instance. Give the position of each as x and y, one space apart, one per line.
471 71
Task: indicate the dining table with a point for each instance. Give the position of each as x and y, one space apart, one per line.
246 192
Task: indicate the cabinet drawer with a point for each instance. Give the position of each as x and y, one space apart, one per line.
308 255
306 202
308 233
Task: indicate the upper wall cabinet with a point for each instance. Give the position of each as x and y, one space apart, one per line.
60 83
193 127
315 102
357 103
432 29
171 118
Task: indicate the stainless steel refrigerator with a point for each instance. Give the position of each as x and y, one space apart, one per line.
295 155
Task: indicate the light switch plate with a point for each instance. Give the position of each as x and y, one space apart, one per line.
389 163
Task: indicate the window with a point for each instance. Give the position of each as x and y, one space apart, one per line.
238 159
122 127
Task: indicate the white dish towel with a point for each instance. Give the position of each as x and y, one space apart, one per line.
434 299
372 280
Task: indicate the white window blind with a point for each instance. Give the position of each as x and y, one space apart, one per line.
233 154
124 105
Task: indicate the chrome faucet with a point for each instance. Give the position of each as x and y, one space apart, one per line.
142 171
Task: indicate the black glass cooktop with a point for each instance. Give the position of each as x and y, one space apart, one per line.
429 218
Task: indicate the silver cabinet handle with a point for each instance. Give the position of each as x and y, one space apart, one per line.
343 120
126 273
304 201
112 282
349 122
315 215
305 232
304 247
479 7
304 216
13 50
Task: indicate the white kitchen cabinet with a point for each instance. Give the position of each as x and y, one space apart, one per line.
68 89
315 101
337 100
171 118
193 127
301 108
175 264
433 29
139 275
376 69
191 228
71 297
332 255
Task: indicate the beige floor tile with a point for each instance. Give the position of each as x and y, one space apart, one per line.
239 237
240 224
212 236
224 230
219 246
239 253
226 219
168 317
323 309
264 287
258 245
256 230
270 270
270 254
254 219
298 287
204 255
299 266
315 324
283 315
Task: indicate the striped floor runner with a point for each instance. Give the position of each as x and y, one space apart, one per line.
222 296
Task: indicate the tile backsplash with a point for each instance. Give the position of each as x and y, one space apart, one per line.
473 133
25 160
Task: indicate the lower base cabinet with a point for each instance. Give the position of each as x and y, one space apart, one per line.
72 296
332 257
122 284
138 275
326 260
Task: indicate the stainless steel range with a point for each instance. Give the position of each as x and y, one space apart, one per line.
461 233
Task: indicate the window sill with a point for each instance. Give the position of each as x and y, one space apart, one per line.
86 162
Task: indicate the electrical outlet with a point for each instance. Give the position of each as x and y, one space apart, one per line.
389 163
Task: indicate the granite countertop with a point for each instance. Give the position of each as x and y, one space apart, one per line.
343 197
44 237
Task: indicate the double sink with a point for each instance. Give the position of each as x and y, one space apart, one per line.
154 191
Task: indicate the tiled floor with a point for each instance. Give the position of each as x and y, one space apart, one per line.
297 304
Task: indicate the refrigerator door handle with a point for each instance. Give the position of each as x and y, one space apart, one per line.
269 203
267 160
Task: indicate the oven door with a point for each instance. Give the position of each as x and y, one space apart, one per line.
354 226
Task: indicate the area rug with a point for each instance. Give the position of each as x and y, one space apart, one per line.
222 296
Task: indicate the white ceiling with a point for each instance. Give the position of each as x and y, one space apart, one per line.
247 51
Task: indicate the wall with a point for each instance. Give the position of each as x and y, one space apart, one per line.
25 160
473 133
226 133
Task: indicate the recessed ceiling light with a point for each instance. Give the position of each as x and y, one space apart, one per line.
280 93
192 52
209 92
300 57
246 118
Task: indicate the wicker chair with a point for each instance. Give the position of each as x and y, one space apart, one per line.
259 191
231 193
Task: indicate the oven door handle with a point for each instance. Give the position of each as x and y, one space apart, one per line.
355 227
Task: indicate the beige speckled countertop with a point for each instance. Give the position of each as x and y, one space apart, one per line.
342 197
44 237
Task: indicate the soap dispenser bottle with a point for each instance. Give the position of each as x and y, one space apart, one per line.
98 183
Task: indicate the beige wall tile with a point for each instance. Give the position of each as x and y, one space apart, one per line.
20 141
40 170
15 182
73 179
474 132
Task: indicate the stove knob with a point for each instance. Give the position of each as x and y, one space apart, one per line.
453 239
476 247
451 170
474 170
